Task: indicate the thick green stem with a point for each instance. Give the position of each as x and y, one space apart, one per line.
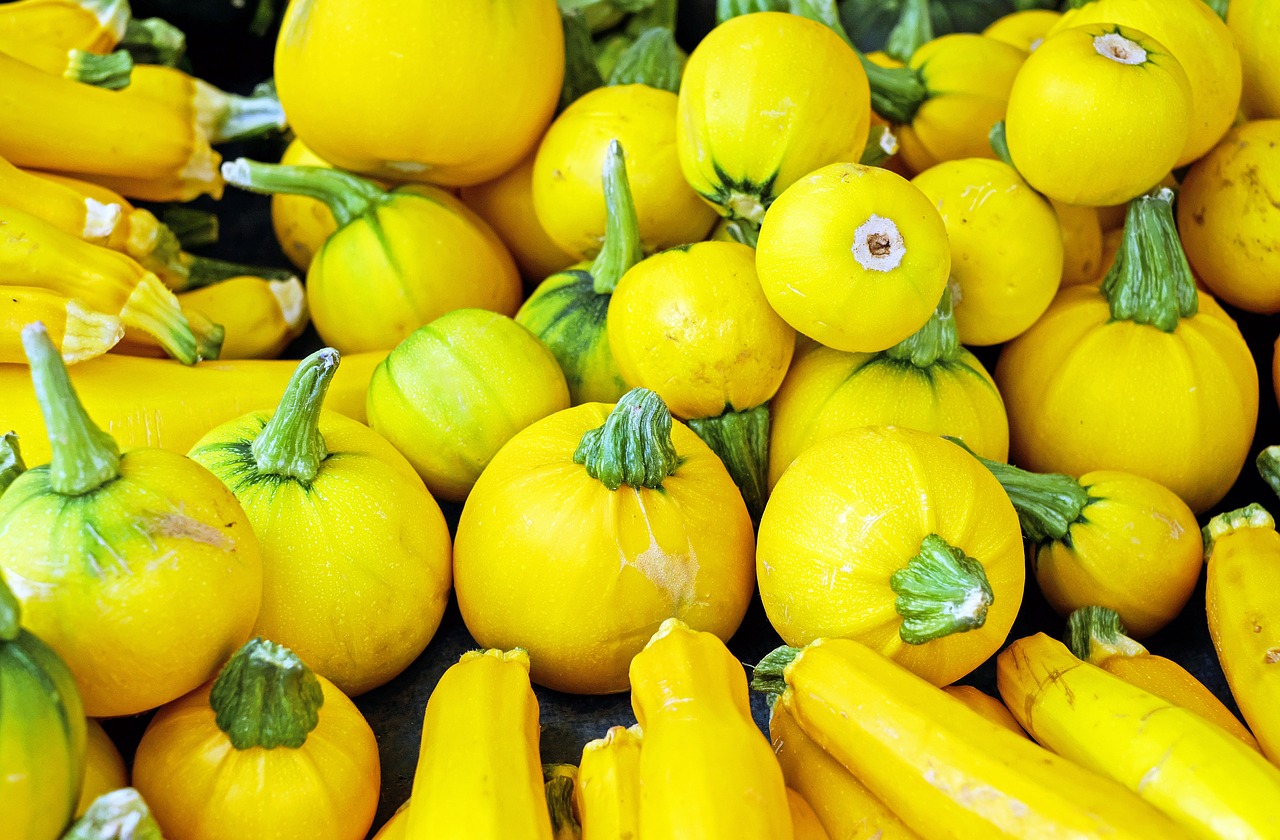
1000 144
291 444
243 117
10 613
266 697
882 144
741 439
634 446
559 781
208 335
896 92
940 591
83 456
581 74
119 815
154 41
622 248
1150 281
1268 464
744 231
653 60
347 196
205 271
112 71
769 675
936 341
1095 633
913 30
1224 524
1048 504
189 227
11 463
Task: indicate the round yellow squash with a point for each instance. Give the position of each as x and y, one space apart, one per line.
104 769
1255 25
1025 29
1081 242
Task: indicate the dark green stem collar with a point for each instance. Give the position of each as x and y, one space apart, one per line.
634 446
1150 281
937 341
940 591
266 697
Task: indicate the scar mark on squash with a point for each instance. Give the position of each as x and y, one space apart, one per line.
183 527
1272 657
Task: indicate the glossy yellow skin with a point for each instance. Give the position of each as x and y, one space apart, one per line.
1244 622
396 827
568 193
548 558
65 23
844 806
1191 396
417 91
1006 282
1201 43
805 824
1137 550
104 769
987 706
459 388
827 392
200 787
1229 220
479 775
814 280
702 750
141 586
694 325
260 316
79 333
1024 30
766 99
851 511
301 224
1200 776
968 78
1255 27
607 794
58 205
506 203
370 285
1084 128
925 754
1081 242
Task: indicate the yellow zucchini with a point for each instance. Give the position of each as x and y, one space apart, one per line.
78 332
805 824
987 706
608 789
110 71
220 116
81 216
92 25
260 316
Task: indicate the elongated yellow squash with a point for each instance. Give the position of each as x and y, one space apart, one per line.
260 316
92 25
608 788
81 216
78 332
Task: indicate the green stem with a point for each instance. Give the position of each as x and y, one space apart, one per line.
622 248
940 591
741 439
769 675
1150 281
1095 633
581 74
1268 464
661 13
291 444
1219 7
937 341
84 457
10 613
189 227
882 144
1224 524
112 71
634 446
652 60
205 271
244 117
726 9
896 92
1000 144
266 697
559 781
11 463
744 231
119 815
154 41
347 196
208 335
913 30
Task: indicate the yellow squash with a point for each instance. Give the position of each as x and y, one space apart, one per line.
1098 114
1023 29
355 550
453 392
854 257
805 824
104 769
77 332
898 539
607 794
702 750
766 99
301 224
398 259
92 25
81 216
479 775
220 116
120 814
1188 381
1242 553
1081 243
267 749
987 706
1255 27
944 769
395 828
1195 772
1096 636
260 316
111 71
140 569
658 531
1229 217
438 91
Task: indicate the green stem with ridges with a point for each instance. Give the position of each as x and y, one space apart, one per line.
83 456
190 228
112 71
937 341
244 117
913 30
661 13
741 440
1095 634
653 60
622 248
940 591
205 271
581 74
119 815
291 444
209 336
1224 524
634 446
1268 464
154 41
882 144
1150 281
559 781
266 697
10 613
11 463
769 675
347 196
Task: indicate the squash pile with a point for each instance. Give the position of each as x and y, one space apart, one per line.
877 337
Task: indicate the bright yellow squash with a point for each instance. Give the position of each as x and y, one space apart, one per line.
854 257
259 316
104 769
453 392
78 332
1188 381
658 531
398 259
92 25
805 824
301 224
1195 772
1081 243
267 749
607 794
141 570
1023 29
926 755
59 205
1098 114
355 551
702 750
898 539
479 775
221 117
927 382
1229 217
987 706
766 99
396 827
1255 27
1242 552
437 91
1004 282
